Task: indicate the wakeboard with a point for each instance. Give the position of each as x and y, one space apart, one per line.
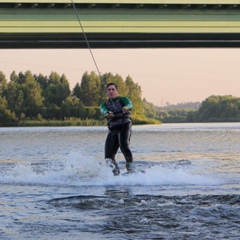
130 173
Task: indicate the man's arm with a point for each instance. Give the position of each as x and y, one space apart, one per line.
127 103
103 109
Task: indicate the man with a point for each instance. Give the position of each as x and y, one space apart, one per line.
117 111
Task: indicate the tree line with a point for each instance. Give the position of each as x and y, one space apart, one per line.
217 109
37 97
29 97
212 109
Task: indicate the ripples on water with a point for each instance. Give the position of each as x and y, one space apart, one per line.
54 184
128 216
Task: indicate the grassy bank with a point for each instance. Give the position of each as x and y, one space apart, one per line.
59 123
76 122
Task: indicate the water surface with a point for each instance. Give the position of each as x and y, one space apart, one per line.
55 185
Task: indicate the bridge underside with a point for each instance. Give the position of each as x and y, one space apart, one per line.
121 40
51 25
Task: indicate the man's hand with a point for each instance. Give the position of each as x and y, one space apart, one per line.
125 110
110 114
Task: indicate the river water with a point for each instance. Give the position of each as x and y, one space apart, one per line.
54 184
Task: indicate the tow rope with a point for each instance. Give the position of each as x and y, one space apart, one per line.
85 36
88 45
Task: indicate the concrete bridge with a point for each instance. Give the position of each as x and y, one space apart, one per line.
119 23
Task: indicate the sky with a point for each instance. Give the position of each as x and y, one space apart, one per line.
165 75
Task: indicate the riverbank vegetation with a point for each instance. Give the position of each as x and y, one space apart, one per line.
212 109
38 100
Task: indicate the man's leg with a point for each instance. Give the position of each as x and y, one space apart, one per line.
111 148
124 140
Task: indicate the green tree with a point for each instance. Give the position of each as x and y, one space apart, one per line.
42 81
191 116
22 78
54 78
7 118
3 82
51 95
90 89
23 95
219 108
15 97
134 93
14 77
72 107
149 109
209 108
33 100
77 91
230 107
65 87
57 90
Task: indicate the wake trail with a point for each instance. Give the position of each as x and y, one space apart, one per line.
80 169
